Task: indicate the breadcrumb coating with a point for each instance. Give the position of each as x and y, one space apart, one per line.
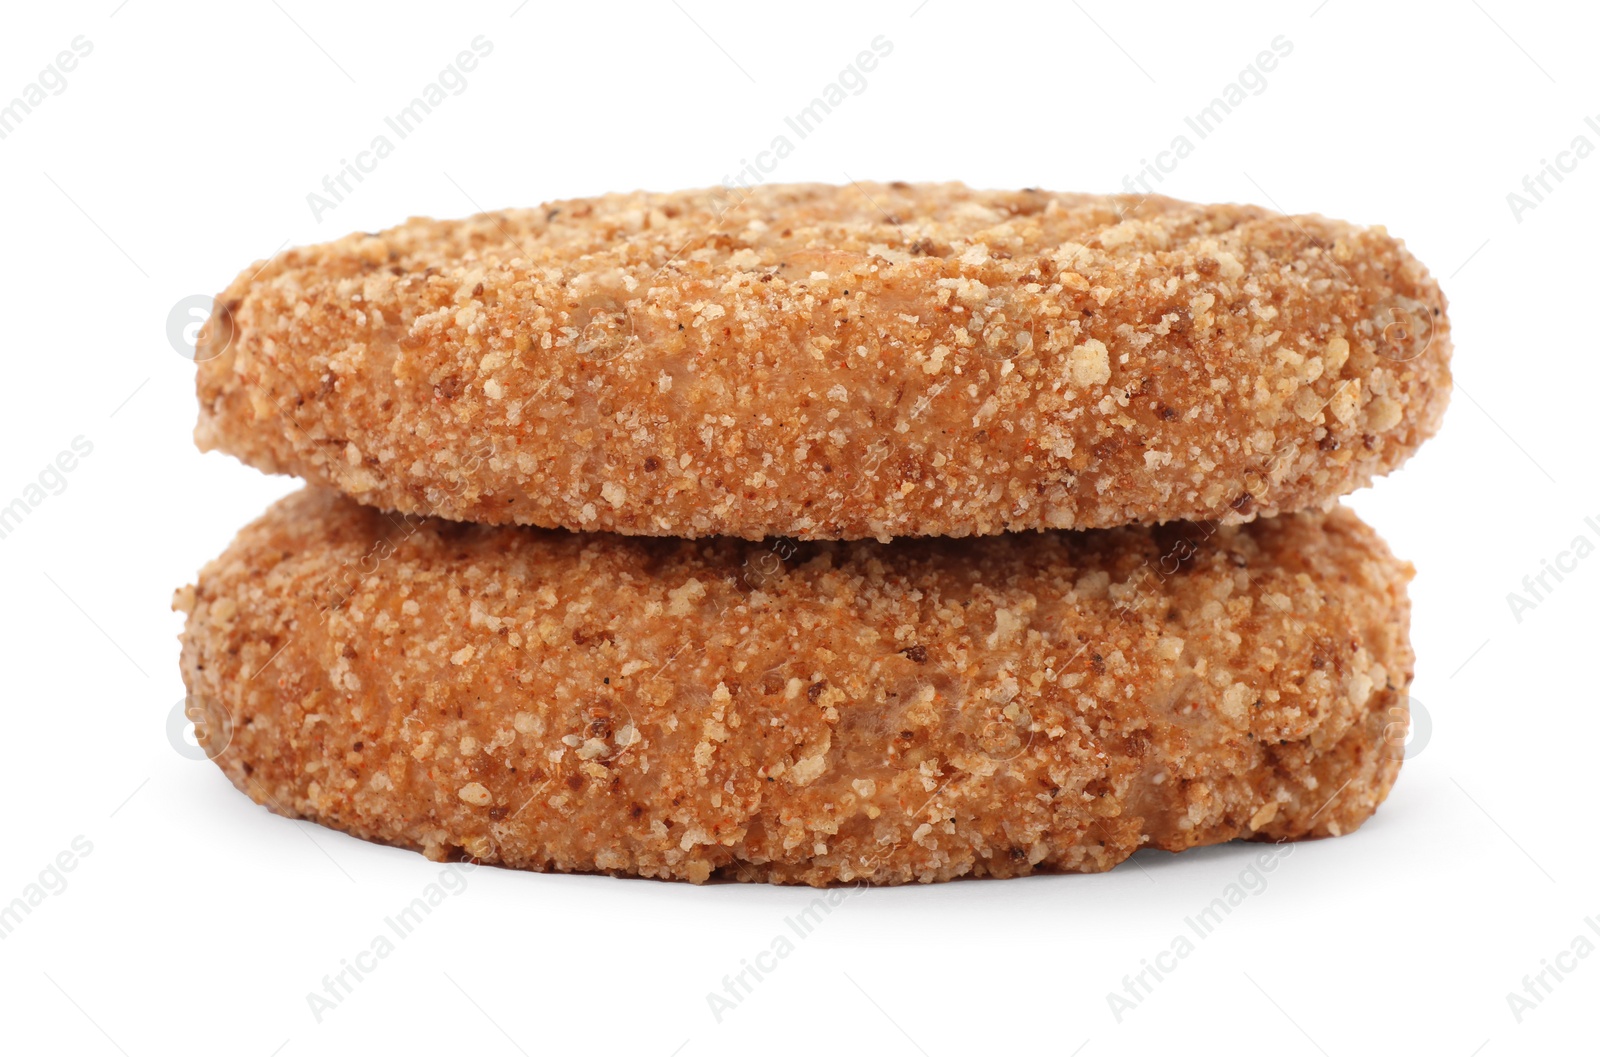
801 712
828 362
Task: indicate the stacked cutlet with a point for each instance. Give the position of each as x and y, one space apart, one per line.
607 560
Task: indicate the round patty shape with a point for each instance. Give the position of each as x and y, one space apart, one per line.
801 712
827 362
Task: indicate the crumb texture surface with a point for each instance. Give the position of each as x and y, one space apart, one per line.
820 362
812 712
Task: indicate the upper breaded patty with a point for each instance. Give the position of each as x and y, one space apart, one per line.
814 712
834 362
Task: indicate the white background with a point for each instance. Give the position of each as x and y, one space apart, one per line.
183 147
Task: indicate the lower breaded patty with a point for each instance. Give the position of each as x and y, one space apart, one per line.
814 712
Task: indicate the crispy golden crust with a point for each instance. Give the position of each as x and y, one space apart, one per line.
835 363
916 711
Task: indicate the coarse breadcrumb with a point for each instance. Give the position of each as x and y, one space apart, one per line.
802 712
824 362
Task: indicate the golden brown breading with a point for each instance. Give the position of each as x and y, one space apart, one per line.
812 712
835 363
